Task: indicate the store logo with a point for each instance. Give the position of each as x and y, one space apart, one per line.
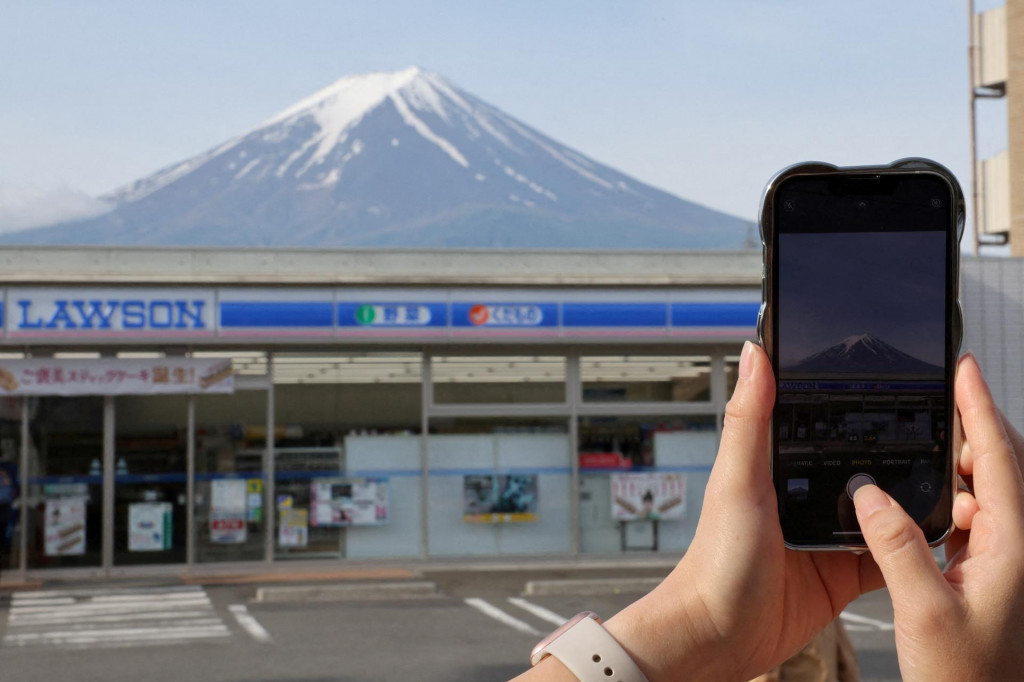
506 315
392 315
112 314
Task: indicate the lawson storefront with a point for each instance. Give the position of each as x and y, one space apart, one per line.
219 408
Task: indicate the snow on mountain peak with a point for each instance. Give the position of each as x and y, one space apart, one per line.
348 98
851 341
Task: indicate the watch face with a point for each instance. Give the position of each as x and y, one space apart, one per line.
538 651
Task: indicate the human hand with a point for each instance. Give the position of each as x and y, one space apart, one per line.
739 602
967 622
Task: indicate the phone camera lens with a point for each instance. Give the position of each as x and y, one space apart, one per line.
935 202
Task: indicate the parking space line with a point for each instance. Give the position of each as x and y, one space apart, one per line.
854 620
539 611
248 623
500 616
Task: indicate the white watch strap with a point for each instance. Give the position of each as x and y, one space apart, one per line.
593 655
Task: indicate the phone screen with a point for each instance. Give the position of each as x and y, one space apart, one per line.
863 350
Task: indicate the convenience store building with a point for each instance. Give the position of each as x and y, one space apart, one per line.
185 410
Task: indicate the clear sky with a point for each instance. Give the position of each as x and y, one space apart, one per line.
889 285
705 100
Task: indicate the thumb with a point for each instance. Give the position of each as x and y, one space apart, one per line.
742 463
899 549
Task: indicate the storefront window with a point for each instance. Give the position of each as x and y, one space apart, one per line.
642 481
347 460
499 487
150 505
731 373
10 483
230 441
65 501
645 378
489 379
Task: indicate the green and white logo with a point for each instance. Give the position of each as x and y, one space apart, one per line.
365 314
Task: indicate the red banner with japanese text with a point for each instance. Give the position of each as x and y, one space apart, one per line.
115 376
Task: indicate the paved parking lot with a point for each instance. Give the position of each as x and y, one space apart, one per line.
480 626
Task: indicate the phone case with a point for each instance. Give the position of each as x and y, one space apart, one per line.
764 317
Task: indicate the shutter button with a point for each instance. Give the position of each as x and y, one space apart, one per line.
856 481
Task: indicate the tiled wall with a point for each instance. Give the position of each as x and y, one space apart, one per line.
992 294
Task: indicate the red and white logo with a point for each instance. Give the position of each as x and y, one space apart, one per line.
478 315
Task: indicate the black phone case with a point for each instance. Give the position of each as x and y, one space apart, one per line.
765 314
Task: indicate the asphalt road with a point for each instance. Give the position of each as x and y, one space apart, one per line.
170 632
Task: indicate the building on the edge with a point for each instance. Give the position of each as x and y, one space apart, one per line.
186 410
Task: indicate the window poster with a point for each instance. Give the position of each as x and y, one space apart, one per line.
293 527
64 526
499 498
652 496
149 526
228 498
349 502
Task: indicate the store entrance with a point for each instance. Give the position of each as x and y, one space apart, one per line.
150 480
65 498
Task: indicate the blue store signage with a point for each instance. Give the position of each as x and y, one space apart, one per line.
154 313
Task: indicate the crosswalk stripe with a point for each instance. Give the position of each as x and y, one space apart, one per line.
90 592
47 618
113 618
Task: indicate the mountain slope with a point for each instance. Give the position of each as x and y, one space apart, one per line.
863 354
396 159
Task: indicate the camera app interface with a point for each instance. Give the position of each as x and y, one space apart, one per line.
861 354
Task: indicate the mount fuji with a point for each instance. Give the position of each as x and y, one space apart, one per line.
864 354
399 159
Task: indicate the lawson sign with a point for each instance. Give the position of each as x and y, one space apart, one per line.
108 312
177 313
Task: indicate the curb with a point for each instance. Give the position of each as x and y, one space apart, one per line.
356 591
589 587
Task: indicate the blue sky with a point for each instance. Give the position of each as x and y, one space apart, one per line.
705 100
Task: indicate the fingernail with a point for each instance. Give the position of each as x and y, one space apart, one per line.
964 357
746 360
870 498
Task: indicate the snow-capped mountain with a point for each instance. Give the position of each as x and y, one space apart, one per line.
864 354
396 159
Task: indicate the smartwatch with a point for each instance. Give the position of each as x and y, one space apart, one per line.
588 651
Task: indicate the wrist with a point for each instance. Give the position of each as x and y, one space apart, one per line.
667 634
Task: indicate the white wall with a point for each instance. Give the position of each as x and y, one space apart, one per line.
402 535
451 456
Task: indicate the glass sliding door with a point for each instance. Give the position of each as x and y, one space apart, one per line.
231 437
65 512
150 506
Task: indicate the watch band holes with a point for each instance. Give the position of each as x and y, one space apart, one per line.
609 672
597 658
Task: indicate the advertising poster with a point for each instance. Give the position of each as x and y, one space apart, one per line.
64 526
228 497
254 488
349 502
115 376
648 496
499 498
293 530
149 526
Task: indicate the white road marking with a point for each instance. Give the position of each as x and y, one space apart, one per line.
248 623
871 623
500 616
539 611
112 618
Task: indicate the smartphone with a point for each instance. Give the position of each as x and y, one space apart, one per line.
861 319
